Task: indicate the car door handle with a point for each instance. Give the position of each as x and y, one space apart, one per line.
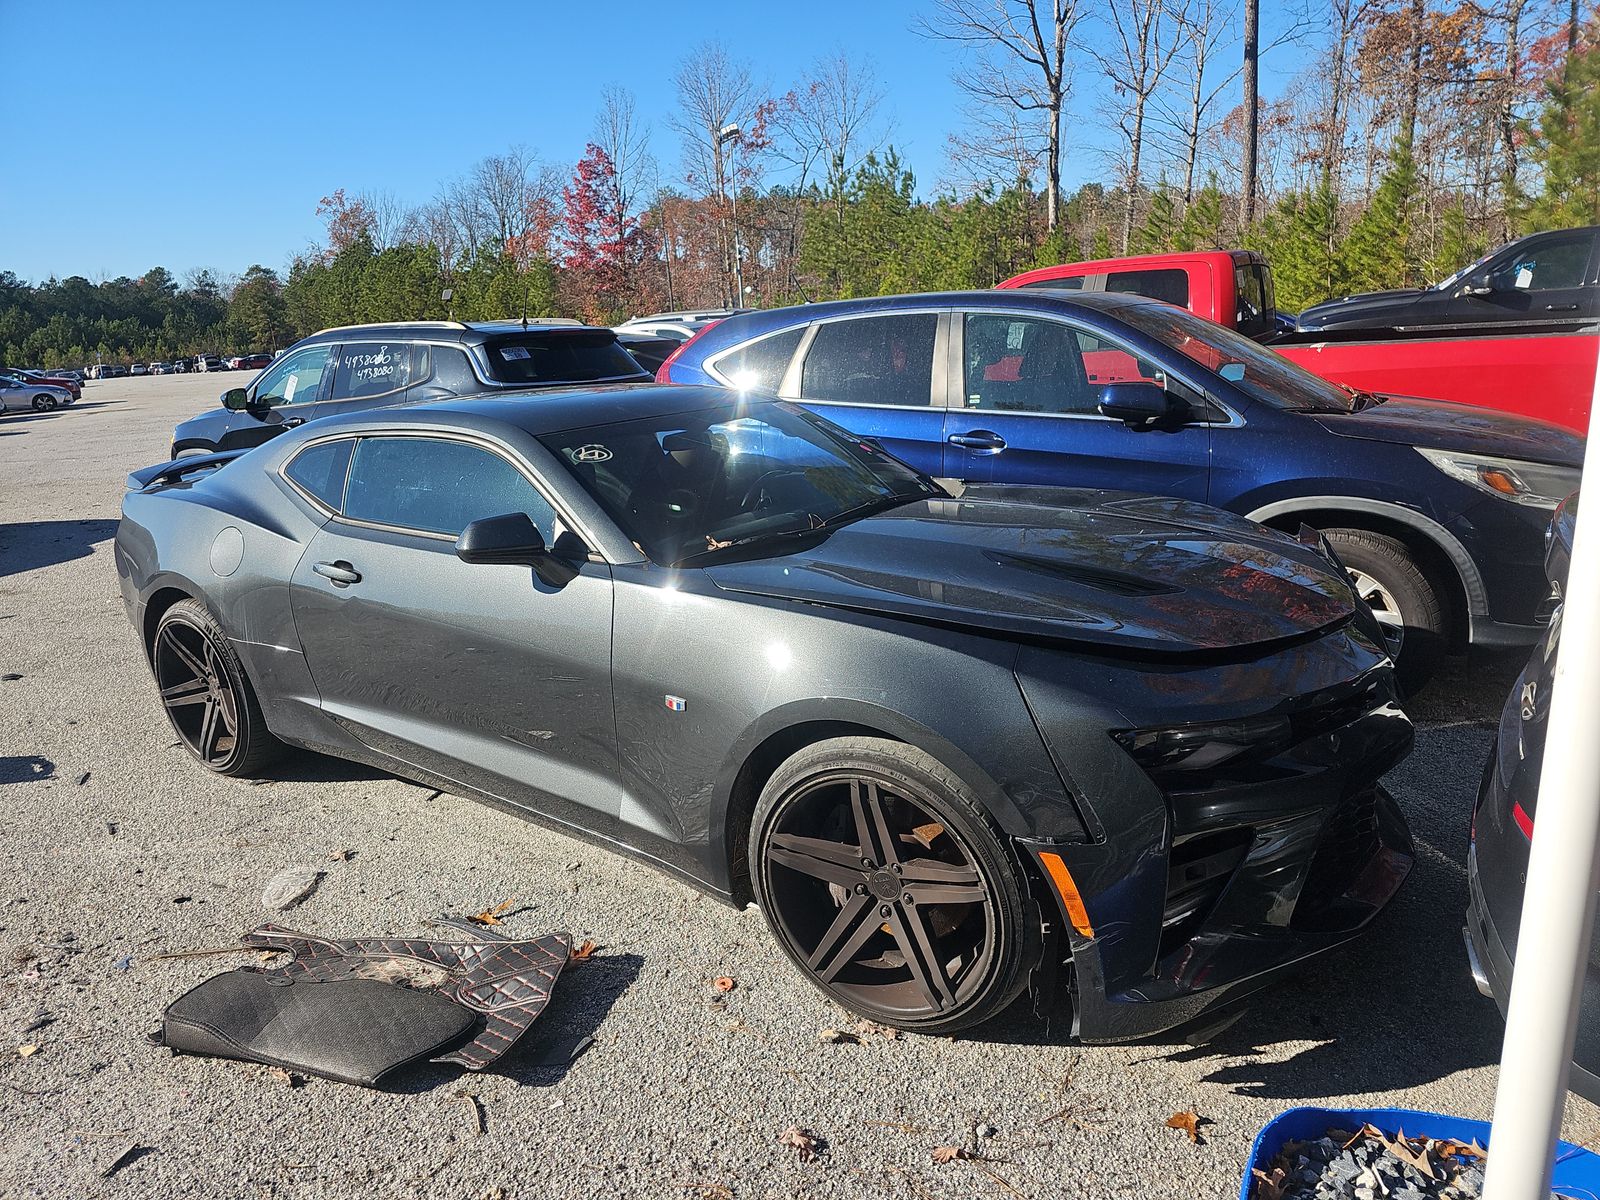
1561 308
291 422
979 440
341 573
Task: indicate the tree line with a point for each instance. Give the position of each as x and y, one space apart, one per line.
1417 134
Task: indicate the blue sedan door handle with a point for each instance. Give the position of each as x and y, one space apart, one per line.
341 573
979 441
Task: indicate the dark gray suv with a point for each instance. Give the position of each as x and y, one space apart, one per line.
372 366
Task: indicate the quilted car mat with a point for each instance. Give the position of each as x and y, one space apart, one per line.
489 984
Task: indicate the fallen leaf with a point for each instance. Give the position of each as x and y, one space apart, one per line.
837 1036
927 834
27 1051
584 952
802 1140
287 1078
491 916
340 855
1189 1122
865 1029
1400 1147
1270 1186
947 1154
723 983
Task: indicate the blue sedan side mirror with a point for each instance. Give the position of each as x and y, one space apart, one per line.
1144 405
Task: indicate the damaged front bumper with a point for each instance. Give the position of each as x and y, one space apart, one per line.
1236 882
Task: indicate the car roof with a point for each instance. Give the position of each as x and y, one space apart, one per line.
735 329
541 412
470 333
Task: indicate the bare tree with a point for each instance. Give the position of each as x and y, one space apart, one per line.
715 92
1147 36
824 127
1203 29
1022 71
1250 134
626 142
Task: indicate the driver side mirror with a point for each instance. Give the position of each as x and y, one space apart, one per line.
1479 287
236 399
514 539
1141 405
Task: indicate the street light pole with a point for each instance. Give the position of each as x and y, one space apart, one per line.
1559 901
730 133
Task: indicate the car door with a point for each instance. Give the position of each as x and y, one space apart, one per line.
1028 411
367 375
1545 280
483 674
281 399
874 375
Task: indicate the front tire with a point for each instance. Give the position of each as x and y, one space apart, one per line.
1401 596
208 698
887 885
43 403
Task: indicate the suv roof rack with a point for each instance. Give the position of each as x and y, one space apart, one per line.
393 325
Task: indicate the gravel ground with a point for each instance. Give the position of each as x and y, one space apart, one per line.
115 847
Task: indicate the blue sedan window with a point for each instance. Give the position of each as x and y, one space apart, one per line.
437 485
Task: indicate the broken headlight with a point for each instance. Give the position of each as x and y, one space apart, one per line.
1183 751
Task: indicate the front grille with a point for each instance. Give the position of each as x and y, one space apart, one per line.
1198 870
1349 842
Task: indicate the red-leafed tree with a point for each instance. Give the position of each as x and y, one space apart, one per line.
602 243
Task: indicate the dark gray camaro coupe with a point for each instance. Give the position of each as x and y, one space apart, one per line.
951 743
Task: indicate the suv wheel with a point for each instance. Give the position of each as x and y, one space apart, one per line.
1401 596
884 881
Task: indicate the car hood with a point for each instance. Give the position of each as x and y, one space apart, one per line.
1442 425
1366 306
1105 570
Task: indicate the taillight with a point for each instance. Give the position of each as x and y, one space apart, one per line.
664 372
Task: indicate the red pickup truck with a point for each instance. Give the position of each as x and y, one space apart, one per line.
1513 368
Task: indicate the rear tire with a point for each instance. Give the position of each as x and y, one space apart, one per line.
888 885
207 696
1401 595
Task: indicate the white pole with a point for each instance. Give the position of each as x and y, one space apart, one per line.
1563 873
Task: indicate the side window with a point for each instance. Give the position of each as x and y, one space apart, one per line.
872 360
1035 365
296 380
1546 266
1164 284
1250 315
1068 283
759 365
452 371
438 485
320 470
368 370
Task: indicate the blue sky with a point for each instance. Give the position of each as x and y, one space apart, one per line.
188 135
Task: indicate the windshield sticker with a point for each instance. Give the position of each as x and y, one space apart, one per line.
510 353
288 389
592 453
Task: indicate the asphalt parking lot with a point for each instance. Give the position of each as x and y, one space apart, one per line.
114 847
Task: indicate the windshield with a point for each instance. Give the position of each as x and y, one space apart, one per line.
1449 281
581 357
687 486
1256 371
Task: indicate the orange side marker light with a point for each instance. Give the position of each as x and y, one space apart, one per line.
1070 899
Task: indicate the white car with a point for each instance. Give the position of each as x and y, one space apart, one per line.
17 392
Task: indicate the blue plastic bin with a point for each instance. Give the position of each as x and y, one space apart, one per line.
1577 1171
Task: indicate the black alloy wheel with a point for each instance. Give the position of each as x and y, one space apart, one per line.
43 403
206 695
885 883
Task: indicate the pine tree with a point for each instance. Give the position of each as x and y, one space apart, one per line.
1202 223
1564 146
1307 260
1457 246
1160 230
1377 250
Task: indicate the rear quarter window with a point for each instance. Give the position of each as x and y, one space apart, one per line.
759 366
1160 284
1067 283
320 471
538 358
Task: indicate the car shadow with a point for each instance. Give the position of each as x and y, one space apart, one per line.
307 766
29 545
583 996
22 418
25 768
